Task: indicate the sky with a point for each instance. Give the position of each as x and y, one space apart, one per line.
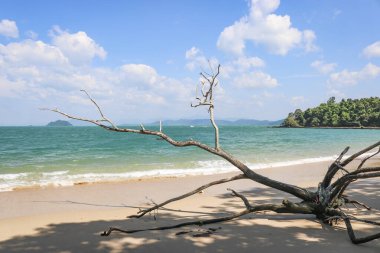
140 60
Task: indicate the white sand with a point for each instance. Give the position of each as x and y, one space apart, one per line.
70 219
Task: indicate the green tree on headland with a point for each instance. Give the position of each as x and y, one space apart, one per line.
364 112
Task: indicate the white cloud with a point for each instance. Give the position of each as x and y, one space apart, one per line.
8 28
335 93
139 73
78 47
309 37
244 63
255 80
192 52
297 100
31 35
372 50
32 53
9 88
261 26
323 67
264 98
345 77
241 71
38 70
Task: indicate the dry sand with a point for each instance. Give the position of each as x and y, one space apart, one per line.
70 219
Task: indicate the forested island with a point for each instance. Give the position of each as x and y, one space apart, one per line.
59 123
350 113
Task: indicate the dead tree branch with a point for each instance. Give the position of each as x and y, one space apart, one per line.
221 181
301 193
324 203
207 98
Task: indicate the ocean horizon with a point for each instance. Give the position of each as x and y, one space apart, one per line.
63 156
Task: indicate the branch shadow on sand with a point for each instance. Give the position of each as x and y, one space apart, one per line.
263 232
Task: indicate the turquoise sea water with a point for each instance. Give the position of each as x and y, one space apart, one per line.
68 155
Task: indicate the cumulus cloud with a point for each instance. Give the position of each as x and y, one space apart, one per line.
37 70
263 27
244 63
32 53
241 72
78 47
9 88
139 73
8 28
255 80
372 50
323 67
345 77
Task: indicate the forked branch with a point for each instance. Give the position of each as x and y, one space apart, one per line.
207 85
325 203
203 187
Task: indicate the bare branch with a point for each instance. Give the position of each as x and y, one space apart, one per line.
373 172
207 98
99 110
291 208
355 202
197 223
342 154
342 183
245 200
95 122
351 233
367 158
221 181
352 157
334 168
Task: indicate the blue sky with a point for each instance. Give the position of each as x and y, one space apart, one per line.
141 59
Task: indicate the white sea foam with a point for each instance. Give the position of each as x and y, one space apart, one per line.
9 182
54 173
13 176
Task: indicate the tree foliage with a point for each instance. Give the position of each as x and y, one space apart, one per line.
364 112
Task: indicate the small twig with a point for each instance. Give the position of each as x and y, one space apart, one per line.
99 110
355 202
245 200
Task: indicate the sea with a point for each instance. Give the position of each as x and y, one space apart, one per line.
63 156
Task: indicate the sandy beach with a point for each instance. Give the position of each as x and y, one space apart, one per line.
70 219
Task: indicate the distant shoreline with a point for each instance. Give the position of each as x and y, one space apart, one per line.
375 128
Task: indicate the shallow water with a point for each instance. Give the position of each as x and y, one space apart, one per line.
67 155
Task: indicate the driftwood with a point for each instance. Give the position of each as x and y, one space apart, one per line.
325 203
